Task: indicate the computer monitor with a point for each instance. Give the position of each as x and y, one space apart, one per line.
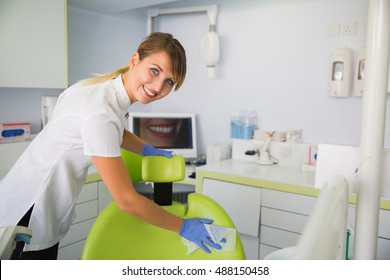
174 132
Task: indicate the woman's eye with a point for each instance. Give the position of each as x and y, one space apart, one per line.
170 82
155 71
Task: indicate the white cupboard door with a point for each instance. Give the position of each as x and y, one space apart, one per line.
241 203
33 52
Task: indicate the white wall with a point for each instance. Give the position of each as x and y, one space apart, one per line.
101 43
275 59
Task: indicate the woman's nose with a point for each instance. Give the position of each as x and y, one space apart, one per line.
159 84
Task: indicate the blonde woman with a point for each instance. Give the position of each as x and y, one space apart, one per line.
88 127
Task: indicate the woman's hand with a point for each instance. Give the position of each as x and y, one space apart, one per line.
149 150
195 231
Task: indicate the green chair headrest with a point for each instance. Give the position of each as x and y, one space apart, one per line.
161 169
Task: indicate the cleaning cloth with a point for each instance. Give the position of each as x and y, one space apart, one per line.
217 233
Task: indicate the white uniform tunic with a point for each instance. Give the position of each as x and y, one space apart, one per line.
87 121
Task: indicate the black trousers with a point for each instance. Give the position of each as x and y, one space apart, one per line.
46 254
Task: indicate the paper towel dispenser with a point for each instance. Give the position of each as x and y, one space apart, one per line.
47 106
342 71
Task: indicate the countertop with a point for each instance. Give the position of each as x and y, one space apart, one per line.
277 177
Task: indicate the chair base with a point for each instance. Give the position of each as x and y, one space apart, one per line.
163 193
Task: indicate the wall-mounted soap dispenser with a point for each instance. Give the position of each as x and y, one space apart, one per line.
359 72
341 72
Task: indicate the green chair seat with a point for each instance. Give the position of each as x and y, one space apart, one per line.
117 235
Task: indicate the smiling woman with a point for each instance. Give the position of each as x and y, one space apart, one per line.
87 128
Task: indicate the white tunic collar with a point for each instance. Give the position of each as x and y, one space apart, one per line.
122 94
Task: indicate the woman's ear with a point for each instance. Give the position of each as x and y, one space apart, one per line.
134 60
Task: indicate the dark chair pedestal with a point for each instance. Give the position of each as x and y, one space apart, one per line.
163 193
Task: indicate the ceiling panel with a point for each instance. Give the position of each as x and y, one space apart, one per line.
113 6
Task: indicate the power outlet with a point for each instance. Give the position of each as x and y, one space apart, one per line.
349 28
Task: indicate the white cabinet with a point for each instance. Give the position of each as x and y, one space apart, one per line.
33 36
383 242
87 210
271 205
283 217
104 196
242 204
269 219
93 198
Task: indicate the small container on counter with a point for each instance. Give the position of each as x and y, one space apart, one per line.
14 132
243 125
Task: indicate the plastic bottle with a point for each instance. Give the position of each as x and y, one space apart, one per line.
248 119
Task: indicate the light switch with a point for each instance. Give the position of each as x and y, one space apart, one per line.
333 29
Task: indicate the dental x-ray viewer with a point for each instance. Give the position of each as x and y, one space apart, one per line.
88 127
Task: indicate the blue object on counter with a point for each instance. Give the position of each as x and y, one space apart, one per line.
235 129
248 131
241 130
12 133
243 126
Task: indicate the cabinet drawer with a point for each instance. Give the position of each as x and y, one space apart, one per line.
251 246
88 192
265 250
283 220
278 238
242 203
85 211
77 233
72 251
290 202
384 224
105 197
10 152
383 249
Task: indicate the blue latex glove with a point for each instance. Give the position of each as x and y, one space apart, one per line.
149 150
195 231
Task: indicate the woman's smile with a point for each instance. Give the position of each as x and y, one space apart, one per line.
149 92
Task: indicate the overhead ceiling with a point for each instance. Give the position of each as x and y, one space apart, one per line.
113 6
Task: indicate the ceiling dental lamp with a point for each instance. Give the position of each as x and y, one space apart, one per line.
209 45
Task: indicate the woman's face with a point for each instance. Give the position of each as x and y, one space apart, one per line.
160 132
149 79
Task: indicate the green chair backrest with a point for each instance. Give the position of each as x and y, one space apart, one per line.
133 164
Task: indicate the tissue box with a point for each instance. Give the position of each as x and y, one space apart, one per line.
218 152
14 132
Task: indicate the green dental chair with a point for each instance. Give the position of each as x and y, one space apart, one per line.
117 235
